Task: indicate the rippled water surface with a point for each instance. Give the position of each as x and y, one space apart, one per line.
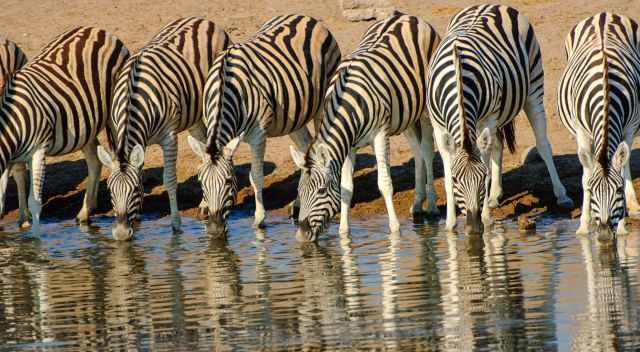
76 289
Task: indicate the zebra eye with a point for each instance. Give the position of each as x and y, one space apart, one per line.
322 190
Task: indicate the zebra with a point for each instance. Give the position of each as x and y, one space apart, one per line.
12 58
269 86
157 95
378 91
57 104
598 103
486 70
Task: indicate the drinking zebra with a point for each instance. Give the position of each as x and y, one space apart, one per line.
598 103
487 68
13 58
157 95
57 104
379 91
268 86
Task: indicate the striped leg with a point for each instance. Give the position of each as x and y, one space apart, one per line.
585 217
629 192
38 165
346 191
534 109
91 194
20 176
381 148
301 138
496 173
428 153
257 177
413 136
170 155
4 179
199 132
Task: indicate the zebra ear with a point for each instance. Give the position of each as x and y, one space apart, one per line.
585 158
136 158
298 157
232 146
449 145
199 148
484 141
323 155
107 158
621 157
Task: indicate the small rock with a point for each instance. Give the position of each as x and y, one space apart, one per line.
365 10
525 223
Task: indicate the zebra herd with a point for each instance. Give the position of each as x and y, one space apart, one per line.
460 93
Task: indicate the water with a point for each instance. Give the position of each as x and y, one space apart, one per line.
75 290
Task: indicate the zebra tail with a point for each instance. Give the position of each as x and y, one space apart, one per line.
507 134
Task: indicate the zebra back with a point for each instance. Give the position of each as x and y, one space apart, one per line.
599 89
61 99
382 84
500 68
160 88
287 64
11 59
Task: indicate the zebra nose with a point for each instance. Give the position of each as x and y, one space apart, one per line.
304 232
122 232
605 232
474 224
216 225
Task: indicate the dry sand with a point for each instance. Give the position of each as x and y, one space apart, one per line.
527 188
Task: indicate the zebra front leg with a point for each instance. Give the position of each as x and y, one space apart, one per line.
4 180
447 148
256 177
413 138
94 167
629 192
381 148
20 176
301 138
496 174
199 132
170 155
346 191
428 153
585 217
534 110
38 165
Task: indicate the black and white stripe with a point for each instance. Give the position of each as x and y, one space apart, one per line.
157 95
13 58
486 70
598 103
379 91
57 104
268 86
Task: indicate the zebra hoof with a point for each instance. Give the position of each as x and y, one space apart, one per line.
565 203
259 224
494 203
24 224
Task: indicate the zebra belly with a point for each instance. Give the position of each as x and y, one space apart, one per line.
72 134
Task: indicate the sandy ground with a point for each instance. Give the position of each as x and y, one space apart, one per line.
527 188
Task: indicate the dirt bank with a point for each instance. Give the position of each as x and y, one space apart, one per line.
527 188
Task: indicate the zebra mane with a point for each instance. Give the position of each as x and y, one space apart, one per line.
603 157
212 146
466 141
122 142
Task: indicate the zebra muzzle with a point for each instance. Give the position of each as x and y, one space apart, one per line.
474 224
122 231
216 226
605 233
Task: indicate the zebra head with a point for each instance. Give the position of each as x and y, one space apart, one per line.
318 191
470 178
606 187
219 185
125 186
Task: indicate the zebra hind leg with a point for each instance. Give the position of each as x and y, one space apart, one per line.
94 167
633 206
496 174
381 147
534 110
413 137
170 155
301 138
346 191
428 153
